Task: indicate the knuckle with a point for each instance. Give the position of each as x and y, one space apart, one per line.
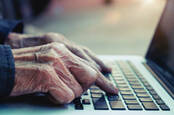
62 45
57 45
93 71
52 53
77 51
46 55
48 35
85 48
45 69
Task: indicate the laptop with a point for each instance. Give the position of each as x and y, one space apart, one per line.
146 85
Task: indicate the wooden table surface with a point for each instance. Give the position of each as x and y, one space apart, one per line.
123 27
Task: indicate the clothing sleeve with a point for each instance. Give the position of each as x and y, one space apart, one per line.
7 66
7 26
7 70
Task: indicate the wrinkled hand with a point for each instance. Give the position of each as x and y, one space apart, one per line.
55 70
25 40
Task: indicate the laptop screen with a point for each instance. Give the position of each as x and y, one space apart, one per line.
161 50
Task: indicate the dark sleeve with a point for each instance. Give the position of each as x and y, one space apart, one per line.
7 66
7 70
7 26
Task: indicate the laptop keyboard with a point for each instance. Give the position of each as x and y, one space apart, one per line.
135 93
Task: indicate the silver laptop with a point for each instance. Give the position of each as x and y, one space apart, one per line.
146 85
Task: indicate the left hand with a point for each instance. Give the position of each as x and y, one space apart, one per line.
16 40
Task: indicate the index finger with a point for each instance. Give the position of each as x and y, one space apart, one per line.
106 85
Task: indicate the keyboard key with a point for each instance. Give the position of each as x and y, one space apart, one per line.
144 95
132 80
152 92
96 91
128 97
85 93
128 73
134 107
141 78
146 84
149 106
119 76
156 97
100 104
160 102
131 77
118 79
94 87
77 100
86 101
139 91
137 87
145 99
149 88
116 105
123 86
120 82
112 97
144 81
126 93
96 95
164 107
136 84
78 106
124 89
131 102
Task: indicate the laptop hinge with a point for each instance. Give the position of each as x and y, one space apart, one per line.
157 72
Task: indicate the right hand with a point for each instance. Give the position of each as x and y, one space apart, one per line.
55 70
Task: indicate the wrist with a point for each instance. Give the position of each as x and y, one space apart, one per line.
13 39
8 39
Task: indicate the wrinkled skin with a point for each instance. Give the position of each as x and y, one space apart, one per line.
26 40
59 68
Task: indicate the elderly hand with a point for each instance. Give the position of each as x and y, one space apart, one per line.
54 69
25 40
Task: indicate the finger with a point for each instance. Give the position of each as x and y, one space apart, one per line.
60 69
16 35
67 77
101 80
80 53
106 85
105 68
34 49
27 40
59 90
71 46
84 74
26 50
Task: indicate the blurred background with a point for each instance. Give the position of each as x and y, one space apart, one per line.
105 26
